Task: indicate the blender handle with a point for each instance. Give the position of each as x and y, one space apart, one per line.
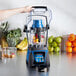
42 7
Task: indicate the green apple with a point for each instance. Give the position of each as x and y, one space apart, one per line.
54 44
50 49
57 49
58 39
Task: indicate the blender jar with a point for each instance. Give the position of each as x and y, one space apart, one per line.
37 38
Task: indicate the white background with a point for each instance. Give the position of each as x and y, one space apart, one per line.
63 13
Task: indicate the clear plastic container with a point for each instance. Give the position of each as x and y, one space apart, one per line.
9 52
0 52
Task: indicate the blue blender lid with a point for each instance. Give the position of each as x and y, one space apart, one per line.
37 24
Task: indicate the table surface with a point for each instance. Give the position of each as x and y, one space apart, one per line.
61 65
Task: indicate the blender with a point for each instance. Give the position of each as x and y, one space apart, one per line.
36 29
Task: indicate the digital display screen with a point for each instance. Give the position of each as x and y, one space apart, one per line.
39 57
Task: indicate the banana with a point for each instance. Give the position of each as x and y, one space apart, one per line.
23 45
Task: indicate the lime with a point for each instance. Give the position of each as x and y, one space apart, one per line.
56 49
50 49
54 44
58 44
58 39
50 40
52 37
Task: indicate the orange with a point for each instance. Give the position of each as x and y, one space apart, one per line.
75 37
69 49
71 37
68 43
74 49
74 43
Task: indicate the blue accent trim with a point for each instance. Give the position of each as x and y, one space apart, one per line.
37 24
